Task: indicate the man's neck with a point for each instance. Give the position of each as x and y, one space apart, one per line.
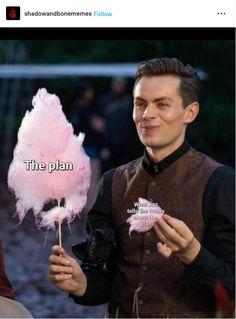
157 154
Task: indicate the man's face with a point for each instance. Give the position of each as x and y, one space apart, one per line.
159 114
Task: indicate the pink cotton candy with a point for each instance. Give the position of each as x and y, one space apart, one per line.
46 136
146 216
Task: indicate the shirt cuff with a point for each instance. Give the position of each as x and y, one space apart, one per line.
97 291
205 264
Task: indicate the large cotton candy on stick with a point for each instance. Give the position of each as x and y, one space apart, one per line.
145 217
46 136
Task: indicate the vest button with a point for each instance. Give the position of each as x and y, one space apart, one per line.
148 234
156 170
144 267
140 301
153 184
147 252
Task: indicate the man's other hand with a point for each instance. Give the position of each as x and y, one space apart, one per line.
176 237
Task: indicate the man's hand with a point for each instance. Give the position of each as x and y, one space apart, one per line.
176 238
65 273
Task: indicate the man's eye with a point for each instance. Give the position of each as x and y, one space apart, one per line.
140 106
163 105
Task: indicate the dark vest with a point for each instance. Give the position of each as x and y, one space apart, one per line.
146 283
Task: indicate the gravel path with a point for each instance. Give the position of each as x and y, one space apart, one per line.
26 261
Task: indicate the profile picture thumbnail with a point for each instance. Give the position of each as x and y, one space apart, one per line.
12 13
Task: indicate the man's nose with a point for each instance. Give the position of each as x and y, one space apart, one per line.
150 112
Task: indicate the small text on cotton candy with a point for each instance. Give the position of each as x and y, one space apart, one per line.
52 166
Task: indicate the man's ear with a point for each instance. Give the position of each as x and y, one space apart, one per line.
191 112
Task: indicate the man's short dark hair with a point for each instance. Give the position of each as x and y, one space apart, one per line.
190 85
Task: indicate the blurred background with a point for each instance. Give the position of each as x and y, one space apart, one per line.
94 81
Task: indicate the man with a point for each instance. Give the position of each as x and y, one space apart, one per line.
113 122
171 270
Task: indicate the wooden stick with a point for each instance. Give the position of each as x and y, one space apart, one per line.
59 233
59 226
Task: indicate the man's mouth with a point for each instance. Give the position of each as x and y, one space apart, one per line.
148 127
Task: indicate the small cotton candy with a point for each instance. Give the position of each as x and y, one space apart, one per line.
49 218
147 215
46 136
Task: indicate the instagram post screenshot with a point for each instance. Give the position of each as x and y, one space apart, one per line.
117 159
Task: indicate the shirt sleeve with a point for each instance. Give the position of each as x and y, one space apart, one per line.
215 261
98 274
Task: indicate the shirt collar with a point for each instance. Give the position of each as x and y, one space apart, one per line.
155 168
